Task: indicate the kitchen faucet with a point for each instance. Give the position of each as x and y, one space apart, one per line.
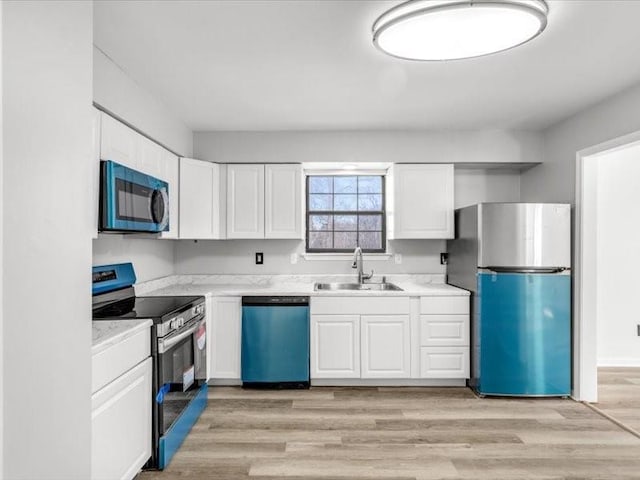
359 265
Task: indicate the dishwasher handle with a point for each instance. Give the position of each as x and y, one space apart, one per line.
277 301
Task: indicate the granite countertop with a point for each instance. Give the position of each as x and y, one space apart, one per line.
109 332
244 285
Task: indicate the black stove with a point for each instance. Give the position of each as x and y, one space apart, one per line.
178 350
154 308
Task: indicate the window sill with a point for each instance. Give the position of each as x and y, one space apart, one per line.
346 256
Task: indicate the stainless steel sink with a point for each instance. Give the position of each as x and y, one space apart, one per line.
357 286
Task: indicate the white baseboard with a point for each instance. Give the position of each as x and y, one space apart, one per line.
619 362
374 382
224 382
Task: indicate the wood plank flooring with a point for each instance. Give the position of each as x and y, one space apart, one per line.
399 434
619 394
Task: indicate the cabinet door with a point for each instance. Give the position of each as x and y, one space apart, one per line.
224 338
119 142
97 120
283 201
196 198
386 346
335 346
170 173
423 201
121 425
245 201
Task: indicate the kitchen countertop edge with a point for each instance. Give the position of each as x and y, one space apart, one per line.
106 333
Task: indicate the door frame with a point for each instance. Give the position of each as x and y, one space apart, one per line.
585 351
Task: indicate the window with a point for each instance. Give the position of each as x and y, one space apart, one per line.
344 212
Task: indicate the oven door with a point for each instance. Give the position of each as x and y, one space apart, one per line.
131 200
182 361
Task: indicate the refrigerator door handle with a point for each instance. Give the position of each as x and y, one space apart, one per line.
527 269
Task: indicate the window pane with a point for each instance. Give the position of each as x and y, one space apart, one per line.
371 240
320 222
369 184
345 240
345 202
345 184
370 202
320 184
318 240
370 222
345 222
320 202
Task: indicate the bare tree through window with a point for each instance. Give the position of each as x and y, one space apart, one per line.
344 212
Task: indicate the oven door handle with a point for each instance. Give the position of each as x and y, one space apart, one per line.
164 345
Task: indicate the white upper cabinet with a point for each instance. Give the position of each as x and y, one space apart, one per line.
202 199
283 201
264 201
245 201
119 143
423 201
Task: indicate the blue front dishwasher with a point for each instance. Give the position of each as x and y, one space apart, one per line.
275 342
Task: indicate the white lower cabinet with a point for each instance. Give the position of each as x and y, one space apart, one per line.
444 337
335 346
121 425
386 346
382 338
224 329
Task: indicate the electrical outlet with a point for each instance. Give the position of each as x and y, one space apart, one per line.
639 330
259 258
294 258
398 258
444 258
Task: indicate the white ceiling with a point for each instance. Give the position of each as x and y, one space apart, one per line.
310 64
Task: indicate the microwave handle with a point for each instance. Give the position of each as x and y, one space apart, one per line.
164 345
165 201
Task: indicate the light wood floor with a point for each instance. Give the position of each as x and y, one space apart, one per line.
400 433
619 395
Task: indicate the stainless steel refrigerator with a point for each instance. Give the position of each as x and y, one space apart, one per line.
515 258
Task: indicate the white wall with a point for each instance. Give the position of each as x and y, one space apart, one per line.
618 257
47 67
554 180
151 258
418 256
486 185
494 146
1 250
114 90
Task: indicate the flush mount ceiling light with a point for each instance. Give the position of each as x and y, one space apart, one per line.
456 29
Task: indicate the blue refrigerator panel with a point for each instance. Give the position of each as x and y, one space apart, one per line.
275 344
524 334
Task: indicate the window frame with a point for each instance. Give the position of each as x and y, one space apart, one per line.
382 212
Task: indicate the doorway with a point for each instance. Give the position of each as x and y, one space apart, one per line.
607 259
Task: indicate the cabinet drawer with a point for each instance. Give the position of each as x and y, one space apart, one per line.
117 359
449 305
360 305
444 362
444 330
